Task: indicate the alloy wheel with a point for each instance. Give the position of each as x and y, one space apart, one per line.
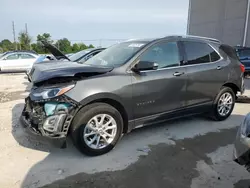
225 104
100 131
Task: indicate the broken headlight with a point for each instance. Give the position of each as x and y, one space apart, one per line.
47 93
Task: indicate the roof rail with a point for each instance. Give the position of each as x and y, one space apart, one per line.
205 38
196 37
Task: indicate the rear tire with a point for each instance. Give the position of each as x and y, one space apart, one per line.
223 104
92 120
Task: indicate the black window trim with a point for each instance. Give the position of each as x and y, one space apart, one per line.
185 55
158 42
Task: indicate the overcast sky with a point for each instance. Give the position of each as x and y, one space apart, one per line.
94 19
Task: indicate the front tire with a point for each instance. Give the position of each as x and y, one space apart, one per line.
96 129
223 104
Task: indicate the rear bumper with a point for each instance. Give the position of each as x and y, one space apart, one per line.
59 142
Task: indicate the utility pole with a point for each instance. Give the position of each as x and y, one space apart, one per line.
26 31
26 28
14 34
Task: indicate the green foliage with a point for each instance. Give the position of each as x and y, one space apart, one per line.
24 43
75 48
45 36
24 40
6 45
38 47
64 45
82 46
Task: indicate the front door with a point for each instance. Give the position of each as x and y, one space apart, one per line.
10 62
162 90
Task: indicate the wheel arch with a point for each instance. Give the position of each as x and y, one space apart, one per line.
112 100
233 86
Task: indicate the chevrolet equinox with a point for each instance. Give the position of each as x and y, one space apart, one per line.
129 85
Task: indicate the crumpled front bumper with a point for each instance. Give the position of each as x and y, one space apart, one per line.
56 141
52 127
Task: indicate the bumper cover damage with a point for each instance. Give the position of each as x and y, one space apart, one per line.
49 119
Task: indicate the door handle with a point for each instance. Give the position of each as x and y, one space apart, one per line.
219 68
178 73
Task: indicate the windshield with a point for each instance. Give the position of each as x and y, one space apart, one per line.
79 55
116 55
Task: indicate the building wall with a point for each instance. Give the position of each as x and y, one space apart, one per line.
221 19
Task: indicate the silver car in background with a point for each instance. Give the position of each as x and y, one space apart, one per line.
17 61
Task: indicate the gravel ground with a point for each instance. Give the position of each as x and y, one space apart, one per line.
191 152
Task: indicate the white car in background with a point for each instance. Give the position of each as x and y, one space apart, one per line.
17 61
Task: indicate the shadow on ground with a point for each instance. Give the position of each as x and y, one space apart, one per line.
170 160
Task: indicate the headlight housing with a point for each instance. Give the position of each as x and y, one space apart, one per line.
48 93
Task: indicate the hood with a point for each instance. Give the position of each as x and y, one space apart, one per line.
55 51
45 71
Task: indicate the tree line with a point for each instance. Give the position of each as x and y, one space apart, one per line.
25 43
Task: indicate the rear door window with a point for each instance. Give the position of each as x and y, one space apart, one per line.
199 53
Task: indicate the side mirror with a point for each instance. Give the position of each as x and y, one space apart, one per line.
145 65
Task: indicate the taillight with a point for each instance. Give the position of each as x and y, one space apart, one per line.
242 67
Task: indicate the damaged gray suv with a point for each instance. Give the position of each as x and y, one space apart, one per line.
129 85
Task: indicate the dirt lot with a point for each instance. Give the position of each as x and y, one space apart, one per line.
191 152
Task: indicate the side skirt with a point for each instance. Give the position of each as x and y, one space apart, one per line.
166 116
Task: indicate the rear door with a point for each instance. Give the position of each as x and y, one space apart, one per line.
206 72
26 60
